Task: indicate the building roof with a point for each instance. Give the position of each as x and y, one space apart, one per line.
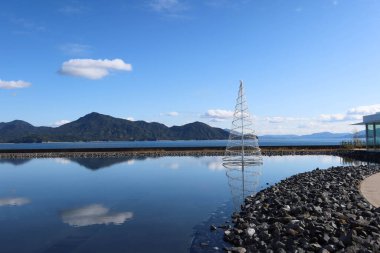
373 118
369 119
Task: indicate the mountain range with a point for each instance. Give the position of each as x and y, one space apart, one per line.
321 135
100 127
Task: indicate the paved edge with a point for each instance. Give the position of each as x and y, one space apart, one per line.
370 189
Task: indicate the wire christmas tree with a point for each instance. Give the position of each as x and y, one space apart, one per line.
242 148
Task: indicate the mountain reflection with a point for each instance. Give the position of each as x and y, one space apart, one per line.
15 162
95 214
97 163
14 201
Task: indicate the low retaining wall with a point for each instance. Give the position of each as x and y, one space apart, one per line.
157 152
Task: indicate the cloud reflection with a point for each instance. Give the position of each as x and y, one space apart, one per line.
214 163
131 162
62 160
17 201
95 214
173 166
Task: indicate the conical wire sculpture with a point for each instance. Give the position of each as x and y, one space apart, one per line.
243 155
242 147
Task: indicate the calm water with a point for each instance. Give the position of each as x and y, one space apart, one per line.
122 205
160 144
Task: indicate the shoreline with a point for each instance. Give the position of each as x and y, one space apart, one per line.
317 211
170 151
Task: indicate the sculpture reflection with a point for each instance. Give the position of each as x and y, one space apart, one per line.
243 182
95 214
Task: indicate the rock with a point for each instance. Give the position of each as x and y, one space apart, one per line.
326 238
317 211
213 228
330 248
251 232
315 246
236 250
292 232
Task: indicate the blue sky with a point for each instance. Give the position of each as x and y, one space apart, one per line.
308 66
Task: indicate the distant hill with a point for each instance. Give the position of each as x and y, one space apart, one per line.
321 135
99 127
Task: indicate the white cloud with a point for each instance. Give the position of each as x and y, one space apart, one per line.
61 122
26 26
218 114
275 119
95 214
169 6
355 113
226 3
130 118
75 49
73 8
335 122
172 114
13 84
217 120
93 69
333 117
14 201
364 110
303 125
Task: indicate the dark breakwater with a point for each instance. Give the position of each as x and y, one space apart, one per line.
167 151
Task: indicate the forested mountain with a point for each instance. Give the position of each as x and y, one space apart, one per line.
99 127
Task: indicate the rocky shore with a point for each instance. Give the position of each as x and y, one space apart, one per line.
317 211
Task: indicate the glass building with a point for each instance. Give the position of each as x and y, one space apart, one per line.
372 130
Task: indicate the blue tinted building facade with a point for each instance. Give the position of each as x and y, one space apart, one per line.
372 130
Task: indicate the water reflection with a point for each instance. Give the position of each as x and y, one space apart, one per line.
214 163
95 214
148 199
62 160
352 162
92 163
14 201
243 182
100 163
15 162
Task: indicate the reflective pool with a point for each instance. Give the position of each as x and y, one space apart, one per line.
124 204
